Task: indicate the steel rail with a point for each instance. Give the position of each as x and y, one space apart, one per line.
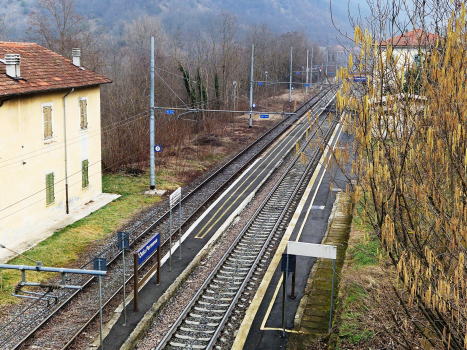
211 276
129 280
266 244
315 99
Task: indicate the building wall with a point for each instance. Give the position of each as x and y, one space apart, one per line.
26 159
405 56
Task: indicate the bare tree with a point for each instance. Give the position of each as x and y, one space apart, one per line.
56 25
5 27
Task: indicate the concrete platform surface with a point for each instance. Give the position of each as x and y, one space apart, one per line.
46 231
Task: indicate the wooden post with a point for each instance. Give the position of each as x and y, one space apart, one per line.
135 276
159 264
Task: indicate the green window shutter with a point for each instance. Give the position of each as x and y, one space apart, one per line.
83 112
47 112
85 174
49 189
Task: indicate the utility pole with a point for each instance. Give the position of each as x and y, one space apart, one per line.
307 70
151 142
266 90
251 83
311 67
290 83
327 61
235 107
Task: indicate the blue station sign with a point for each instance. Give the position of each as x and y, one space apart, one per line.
260 83
145 251
169 111
264 116
306 85
361 79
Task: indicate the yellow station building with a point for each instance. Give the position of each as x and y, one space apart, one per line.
50 138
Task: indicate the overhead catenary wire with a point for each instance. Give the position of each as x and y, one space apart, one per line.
171 89
195 81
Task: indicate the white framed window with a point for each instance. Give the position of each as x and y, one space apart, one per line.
47 121
83 112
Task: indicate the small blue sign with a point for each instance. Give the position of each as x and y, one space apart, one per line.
331 73
291 263
253 105
362 79
123 240
145 251
157 148
298 72
259 83
306 85
169 111
264 116
100 264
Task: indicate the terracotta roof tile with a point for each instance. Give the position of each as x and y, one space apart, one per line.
43 70
415 38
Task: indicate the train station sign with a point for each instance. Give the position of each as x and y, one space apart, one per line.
145 251
312 250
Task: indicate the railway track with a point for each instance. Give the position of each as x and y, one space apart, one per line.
201 322
18 331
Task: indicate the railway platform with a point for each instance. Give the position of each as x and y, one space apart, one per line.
262 325
198 239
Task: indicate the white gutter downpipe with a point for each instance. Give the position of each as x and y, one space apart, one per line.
66 164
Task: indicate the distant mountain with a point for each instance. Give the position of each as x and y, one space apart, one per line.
311 16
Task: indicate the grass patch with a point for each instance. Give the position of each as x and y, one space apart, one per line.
353 311
65 246
360 275
365 253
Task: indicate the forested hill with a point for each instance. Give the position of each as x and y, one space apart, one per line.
311 16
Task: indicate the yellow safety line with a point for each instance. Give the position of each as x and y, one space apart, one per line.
238 187
280 329
263 324
259 296
299 232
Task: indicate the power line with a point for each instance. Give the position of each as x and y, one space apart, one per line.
171 133
24 256
87 133
60 145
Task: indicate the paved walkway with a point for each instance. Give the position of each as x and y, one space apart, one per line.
41 233
261 328
313 314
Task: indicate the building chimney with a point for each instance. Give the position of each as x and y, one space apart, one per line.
76 57
12 61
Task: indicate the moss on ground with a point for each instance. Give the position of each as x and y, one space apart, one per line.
361 262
